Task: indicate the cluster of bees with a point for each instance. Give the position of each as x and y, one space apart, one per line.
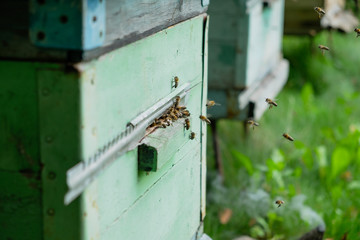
175 112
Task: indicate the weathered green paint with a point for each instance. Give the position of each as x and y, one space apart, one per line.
20 205
59 123
158 148
75 110
203 129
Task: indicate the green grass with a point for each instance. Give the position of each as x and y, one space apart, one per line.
318 175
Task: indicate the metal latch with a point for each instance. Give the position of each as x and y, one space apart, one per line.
82 174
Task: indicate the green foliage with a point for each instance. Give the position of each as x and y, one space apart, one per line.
317 175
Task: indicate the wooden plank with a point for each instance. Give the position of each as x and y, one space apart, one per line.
59 124
20 208
126 21
113 86
18 118
160 57
157 148
173 199
203 129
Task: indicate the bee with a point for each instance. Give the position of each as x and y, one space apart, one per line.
180 108
205 119
173 116
192 135
279 202
252 123
185 113
177 101
288 137
323 48
320 11
153 124
271 103
357 30
211 103
176 81
177 113
187 124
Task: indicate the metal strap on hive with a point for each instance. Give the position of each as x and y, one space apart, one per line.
82 174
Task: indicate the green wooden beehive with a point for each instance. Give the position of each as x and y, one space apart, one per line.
244 55
73 132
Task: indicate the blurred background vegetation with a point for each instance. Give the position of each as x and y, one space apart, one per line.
317 175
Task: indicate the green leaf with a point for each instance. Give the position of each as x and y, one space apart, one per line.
321 159
244 160
340 160
307 95
354 185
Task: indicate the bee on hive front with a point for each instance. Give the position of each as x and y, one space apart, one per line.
357 30
320 11
271 103
288 137
187 124
177 101
176 81
323 48
252 123
185 113
279 202
192 135
205 119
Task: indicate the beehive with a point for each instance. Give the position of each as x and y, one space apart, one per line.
70 130
245 55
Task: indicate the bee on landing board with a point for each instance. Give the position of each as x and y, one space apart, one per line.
357 30
252 123
192 135
288 137
176 82
271 103
177 101
205 119
279 202
320 11
323 48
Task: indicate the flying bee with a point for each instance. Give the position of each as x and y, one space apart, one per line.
192 135
187 124
185 113
320 11
211 103
323 48
176 81
252 123
177 101
271 103
205 119
357 30
279 202
288 137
